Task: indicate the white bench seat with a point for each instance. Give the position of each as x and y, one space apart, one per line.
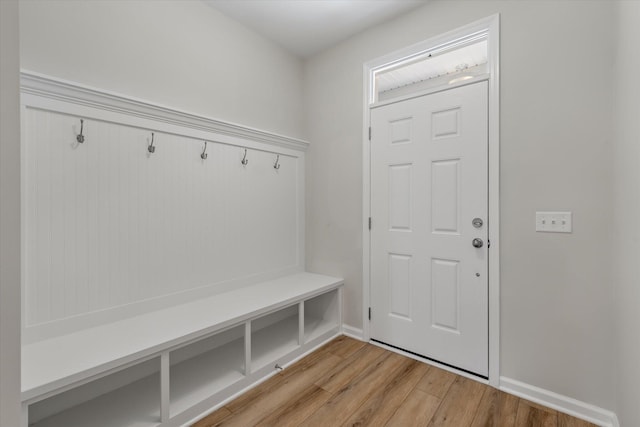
57 364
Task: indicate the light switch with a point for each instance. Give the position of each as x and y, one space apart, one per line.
553 222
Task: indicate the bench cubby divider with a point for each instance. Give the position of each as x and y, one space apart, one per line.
169 367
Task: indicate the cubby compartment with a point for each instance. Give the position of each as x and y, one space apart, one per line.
321 315
274 336
206 367
127 398
167 367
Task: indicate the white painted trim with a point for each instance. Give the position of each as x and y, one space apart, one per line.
352 332
10 217
491 25
565 404
165 388
52 88
366 202
494 199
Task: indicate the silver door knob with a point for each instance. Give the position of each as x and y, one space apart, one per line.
477 243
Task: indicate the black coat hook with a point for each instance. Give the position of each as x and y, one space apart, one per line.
244 159
276 165
80 136
151 148
204 154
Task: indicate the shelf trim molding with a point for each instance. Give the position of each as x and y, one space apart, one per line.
53 88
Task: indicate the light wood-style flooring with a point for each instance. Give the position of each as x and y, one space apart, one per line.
351 383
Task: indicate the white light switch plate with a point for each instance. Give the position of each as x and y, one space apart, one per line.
553 222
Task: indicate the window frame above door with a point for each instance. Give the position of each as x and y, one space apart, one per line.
490 28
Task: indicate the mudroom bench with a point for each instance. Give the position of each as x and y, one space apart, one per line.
171 366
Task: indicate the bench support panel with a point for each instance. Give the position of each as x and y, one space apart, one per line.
200 375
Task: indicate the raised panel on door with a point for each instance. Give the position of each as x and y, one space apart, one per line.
400 197
444 294
445 194
400 286
429 168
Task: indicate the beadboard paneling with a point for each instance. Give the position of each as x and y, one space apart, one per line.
108 225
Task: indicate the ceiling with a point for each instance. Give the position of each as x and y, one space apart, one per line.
306 27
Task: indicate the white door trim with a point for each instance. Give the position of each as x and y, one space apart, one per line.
491 25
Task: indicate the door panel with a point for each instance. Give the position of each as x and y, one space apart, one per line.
445 217
445 288
429 171
400 197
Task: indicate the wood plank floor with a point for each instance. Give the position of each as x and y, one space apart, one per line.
351 383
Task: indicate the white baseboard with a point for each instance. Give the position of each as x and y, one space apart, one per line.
576 408
352 332
567 405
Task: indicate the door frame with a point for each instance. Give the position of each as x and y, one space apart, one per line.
490 26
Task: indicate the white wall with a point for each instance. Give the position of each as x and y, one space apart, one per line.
182 54
626 207
556 81
9 217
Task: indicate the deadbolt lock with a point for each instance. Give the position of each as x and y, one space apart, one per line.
477 222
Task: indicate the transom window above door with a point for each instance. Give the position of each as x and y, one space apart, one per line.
447 64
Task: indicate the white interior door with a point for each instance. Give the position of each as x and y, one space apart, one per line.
429 201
